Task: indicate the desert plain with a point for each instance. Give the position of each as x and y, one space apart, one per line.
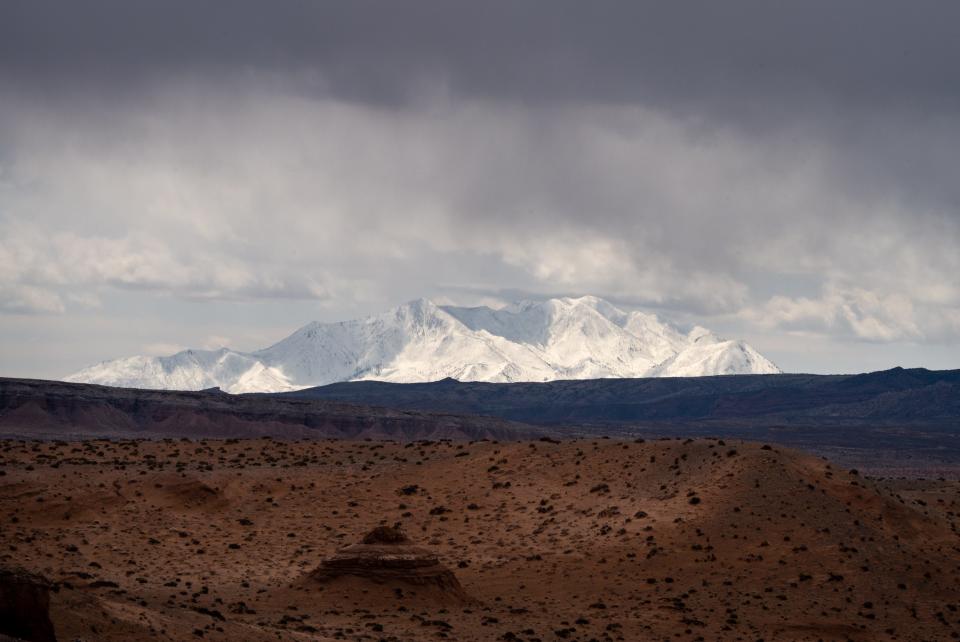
589 539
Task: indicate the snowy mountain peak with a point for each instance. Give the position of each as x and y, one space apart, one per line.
568 338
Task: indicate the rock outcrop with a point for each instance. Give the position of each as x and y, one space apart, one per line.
387 556
25 606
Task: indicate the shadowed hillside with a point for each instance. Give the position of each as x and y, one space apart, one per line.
891 396
895 419
57 410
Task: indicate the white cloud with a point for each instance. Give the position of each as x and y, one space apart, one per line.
857 312
85 299
70 260
215 342
162 349
26 299
578 262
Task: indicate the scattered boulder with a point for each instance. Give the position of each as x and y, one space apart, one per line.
387 556
25 606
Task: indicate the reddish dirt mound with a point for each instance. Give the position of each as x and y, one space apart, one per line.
184 493
385 535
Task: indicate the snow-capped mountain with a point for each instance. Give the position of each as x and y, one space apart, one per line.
584 338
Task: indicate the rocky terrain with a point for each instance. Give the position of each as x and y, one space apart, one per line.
600 539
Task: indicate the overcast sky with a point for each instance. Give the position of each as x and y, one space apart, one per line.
186 173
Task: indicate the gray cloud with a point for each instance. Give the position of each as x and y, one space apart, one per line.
863 50
768 167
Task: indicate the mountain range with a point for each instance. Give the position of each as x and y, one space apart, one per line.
420 341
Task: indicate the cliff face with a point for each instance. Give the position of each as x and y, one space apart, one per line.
49 409
25 606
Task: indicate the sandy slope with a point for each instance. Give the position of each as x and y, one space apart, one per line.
679 540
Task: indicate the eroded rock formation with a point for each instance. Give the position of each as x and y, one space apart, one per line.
386 555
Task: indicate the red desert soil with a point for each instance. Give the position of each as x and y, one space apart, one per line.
581 540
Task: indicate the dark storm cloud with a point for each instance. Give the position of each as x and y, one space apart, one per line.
847 71
731 53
